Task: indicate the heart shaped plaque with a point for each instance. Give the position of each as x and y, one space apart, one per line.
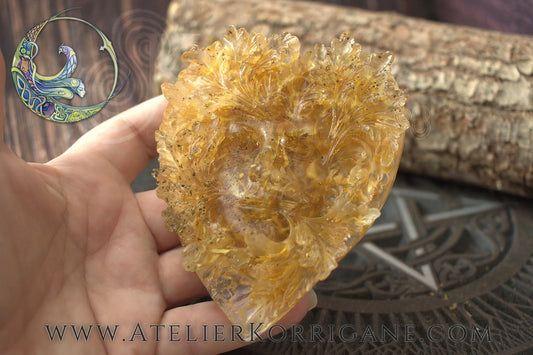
274 165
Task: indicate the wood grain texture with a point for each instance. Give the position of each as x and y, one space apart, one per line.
472 87
134 27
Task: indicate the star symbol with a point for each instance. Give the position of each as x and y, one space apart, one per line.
408 219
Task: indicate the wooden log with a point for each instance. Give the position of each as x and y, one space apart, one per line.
471 87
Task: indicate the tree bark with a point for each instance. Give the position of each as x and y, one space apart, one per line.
472 88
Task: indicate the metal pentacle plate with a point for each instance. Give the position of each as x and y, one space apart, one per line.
446 269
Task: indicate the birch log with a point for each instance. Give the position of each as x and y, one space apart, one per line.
472 88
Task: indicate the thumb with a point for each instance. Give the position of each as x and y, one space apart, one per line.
2 99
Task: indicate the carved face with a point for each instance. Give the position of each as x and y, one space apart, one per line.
274 166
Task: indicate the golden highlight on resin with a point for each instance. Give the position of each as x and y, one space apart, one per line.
274 165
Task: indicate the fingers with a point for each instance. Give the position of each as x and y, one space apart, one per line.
152 207
179 286
212 330
125 141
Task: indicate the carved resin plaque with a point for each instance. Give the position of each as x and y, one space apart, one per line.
274 165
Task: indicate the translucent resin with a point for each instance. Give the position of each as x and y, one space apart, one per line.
274 165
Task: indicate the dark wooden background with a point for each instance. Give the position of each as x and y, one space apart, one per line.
134 26
514 16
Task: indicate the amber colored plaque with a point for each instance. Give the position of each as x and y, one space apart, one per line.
274 165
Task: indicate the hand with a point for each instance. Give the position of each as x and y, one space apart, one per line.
78 247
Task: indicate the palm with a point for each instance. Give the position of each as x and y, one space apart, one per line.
78 247
84 245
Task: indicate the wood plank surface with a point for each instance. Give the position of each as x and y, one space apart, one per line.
133 26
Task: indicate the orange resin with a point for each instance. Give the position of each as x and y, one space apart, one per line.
274 165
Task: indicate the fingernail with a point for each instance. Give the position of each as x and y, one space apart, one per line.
313 300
